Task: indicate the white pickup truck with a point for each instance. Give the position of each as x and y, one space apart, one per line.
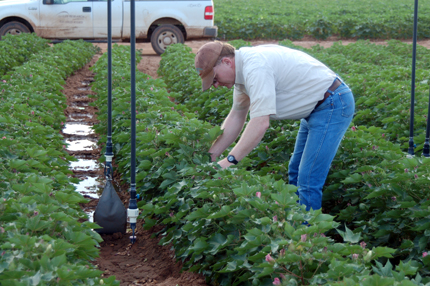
163 22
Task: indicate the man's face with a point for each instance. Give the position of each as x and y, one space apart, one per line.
225 73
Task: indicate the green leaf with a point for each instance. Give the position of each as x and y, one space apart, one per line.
200 245
349 236
407 268
266 271
199 213
383 270
354 178
382 252
225 210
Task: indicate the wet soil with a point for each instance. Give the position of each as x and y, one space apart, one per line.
144 262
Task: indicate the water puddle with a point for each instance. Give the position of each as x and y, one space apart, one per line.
81 97
79 117
79 104
80 138
84 165
90 215
77 129
89 187
80 145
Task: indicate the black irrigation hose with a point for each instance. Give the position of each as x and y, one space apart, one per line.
109 148
414 56
132 208
426 149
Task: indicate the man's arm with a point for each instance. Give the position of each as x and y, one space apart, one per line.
232 126
254 132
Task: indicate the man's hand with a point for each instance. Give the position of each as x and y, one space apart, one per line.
224 163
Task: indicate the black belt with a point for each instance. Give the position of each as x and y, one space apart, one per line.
333 87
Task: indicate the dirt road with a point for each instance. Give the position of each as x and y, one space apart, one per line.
150 60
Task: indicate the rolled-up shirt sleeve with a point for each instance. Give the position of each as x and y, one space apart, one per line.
240 98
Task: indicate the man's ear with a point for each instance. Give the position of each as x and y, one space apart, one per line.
226 61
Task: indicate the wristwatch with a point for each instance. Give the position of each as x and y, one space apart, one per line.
231 159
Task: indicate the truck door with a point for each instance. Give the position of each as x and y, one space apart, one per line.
66 19
100 18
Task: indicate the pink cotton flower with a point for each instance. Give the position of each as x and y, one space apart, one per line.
269 258
32 112
425 254
406 170
282 252
4 137
276 281
355 256
267 148
363 244
303 237
275 218
353 128
258 194
394 199
282 276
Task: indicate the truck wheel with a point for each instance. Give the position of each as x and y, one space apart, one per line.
165 35
13 28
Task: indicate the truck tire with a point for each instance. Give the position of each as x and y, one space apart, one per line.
14 28
165 35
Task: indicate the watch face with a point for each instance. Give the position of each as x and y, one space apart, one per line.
230 158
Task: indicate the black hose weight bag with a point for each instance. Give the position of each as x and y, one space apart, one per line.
110 212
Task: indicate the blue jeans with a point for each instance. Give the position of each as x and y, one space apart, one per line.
316 145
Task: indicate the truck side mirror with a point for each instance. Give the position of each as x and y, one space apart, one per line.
48 2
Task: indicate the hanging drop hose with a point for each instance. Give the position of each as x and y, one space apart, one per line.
109 150
414 56
426 149
132 211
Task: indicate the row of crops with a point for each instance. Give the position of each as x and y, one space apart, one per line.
42 241
291 19
16 50
242 225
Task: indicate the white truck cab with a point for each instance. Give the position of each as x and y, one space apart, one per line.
163 22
